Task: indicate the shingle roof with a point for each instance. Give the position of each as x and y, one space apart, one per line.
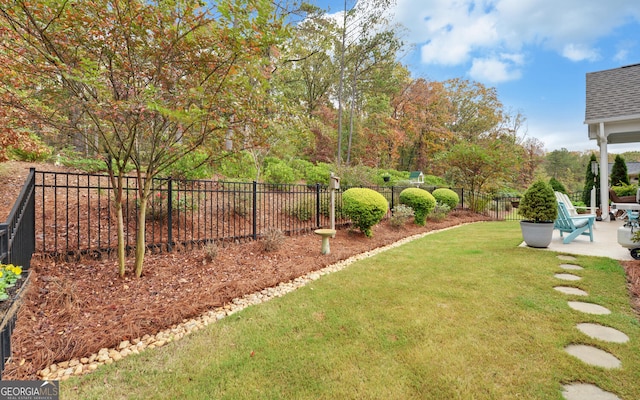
613 93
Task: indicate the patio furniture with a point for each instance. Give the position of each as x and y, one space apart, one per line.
562 197
625 205
574 226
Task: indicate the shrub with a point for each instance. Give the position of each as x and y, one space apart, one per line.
191 166
32 148
318 174
446 196
273 240
539 203
365 207
210 251
279 173
400 215
440 212
557 186
625 190
421 201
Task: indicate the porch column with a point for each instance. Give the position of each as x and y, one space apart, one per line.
604 173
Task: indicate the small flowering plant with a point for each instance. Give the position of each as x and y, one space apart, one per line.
9 275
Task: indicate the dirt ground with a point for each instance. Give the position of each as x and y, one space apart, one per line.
73 309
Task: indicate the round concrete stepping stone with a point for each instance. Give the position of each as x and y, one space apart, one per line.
593 356
571 290
568 277
567 258
571 267
586 391
589 308
603 333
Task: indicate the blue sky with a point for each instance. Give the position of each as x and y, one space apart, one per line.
536 53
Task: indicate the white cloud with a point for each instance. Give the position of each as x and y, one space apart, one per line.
493 70
455 32
580 53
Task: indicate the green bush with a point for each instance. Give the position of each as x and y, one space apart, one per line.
237 166
31 148
539 203
191 166
365 207
557 186
439 212
421 201
400 215
446 196
318 174
625 190
279 173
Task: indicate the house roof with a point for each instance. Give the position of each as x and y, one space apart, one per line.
612 105
633 168
613 93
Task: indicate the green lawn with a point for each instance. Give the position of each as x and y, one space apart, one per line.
461 314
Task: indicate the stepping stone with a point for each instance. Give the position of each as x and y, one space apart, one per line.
571 266
568 277
586 391
593 356
571 290
603 333
567 258
589 308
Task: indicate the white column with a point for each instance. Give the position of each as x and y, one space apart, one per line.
604 173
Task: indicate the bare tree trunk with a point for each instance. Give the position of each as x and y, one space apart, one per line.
341 84
353 102
116 183
144 189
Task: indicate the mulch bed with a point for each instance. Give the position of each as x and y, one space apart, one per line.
73 309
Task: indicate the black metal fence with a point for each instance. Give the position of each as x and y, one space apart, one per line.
17 243
75 212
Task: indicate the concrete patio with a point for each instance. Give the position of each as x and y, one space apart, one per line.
605 242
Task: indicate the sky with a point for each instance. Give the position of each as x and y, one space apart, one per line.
536 53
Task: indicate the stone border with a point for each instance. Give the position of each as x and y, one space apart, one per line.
85 365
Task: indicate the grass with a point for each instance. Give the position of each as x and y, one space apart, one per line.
461 314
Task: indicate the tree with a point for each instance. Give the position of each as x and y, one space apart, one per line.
476 109
483 165
589 182
422 111
145 82
619 174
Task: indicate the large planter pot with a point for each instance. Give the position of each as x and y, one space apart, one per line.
537 234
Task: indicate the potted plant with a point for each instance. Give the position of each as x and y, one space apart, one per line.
539 209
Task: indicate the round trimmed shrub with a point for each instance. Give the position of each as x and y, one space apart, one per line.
446 196
365 208
421 201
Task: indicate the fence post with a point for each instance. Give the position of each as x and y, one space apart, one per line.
392 196
169 214
4 243
255 210
317 205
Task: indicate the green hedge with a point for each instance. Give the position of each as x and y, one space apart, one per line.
421 201
446 196
365 208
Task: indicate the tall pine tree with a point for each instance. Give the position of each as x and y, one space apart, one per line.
619 174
